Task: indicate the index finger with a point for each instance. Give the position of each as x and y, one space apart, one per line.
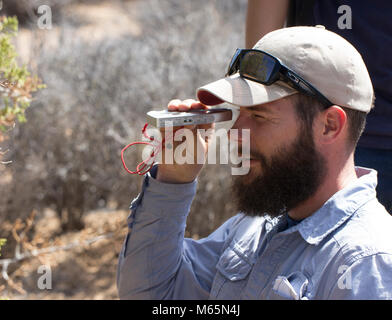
197 105
173 104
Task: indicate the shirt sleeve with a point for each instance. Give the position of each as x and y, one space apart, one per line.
156 262
368 278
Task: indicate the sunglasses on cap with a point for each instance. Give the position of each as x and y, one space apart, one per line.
261 67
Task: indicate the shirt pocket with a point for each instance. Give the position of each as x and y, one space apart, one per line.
233 268
295 286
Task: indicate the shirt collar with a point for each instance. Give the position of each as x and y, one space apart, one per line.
340 207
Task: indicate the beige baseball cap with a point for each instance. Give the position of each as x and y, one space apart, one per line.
323 58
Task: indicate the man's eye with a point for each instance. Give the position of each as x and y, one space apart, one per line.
258 116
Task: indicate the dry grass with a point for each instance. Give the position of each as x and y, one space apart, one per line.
85 271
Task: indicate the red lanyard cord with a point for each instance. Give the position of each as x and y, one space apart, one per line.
157 147
142 165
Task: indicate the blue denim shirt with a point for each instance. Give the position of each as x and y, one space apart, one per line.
342 251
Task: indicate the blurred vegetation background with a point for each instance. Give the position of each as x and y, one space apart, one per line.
105 64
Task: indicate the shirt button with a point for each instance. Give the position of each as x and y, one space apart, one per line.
268 226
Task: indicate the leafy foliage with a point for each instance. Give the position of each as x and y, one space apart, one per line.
2 243
16 83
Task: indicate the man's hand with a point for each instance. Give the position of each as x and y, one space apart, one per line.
185 173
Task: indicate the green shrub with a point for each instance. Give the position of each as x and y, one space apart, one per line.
16 83
2 243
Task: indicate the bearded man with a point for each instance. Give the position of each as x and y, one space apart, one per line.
310 225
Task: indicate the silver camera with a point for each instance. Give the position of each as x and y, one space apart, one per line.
166 118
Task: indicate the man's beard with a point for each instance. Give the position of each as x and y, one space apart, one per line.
288 178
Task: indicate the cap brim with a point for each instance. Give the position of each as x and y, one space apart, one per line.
242 92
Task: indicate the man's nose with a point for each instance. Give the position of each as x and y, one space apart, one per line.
240 124
242 121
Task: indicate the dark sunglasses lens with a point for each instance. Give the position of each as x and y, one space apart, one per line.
257 66
233 63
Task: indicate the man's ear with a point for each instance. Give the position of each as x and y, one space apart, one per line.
331 123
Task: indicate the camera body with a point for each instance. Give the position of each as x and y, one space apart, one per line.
166 118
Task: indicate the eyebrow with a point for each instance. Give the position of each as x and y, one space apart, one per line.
259 109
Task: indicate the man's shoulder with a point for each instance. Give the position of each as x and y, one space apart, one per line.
360 249
367 232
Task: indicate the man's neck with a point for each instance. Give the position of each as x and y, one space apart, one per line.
335 181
